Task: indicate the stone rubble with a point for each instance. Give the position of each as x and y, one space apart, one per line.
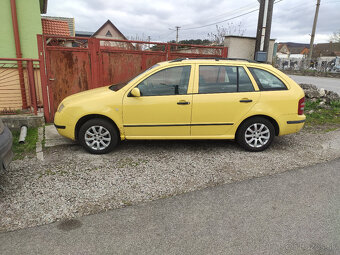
314 94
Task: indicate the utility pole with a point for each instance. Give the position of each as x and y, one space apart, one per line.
177 28
268 26
259 26
264 27
311 45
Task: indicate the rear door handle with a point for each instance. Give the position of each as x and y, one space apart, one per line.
246 100
183 102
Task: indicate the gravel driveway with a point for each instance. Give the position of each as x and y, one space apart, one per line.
71 183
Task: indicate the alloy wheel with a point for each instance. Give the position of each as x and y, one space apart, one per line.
257 135
97 138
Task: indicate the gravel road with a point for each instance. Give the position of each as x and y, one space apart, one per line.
332 84
71 183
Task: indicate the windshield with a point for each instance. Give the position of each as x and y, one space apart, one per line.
116 87
152 67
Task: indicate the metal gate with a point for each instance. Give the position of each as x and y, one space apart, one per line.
74 64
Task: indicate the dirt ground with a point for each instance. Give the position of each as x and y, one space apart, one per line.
71 183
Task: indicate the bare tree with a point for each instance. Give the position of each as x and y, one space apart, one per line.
335 37
140 46
137 37
229 29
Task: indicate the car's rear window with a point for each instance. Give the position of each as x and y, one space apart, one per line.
266 80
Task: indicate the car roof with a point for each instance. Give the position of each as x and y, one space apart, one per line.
213 61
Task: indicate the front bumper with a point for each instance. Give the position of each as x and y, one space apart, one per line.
6 154
59 127
65 125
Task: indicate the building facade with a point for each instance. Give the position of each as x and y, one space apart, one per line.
244 47
29 25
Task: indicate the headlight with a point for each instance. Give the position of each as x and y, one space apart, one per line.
61 107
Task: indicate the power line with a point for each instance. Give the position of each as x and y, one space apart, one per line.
195 34
330 2
243 8
215 23
165 36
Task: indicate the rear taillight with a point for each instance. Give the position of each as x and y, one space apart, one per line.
301 106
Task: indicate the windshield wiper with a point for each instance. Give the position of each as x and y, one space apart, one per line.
116 87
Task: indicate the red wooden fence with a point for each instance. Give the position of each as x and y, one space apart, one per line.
74 64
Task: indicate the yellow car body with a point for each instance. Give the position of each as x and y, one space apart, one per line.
190 114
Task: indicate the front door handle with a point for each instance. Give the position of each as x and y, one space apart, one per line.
246 100
183 102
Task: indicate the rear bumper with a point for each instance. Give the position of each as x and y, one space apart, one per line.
296 121
6 154
292 124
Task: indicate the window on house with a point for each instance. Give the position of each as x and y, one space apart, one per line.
108 34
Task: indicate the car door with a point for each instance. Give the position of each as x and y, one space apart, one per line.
163 110
223 95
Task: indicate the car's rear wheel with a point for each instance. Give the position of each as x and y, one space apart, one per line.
256 134
98 136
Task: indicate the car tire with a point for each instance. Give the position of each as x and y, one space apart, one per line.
255 134
98 136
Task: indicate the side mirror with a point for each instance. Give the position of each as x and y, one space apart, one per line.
135 92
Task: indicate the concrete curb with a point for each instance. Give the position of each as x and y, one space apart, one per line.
39 151
53 138
14 122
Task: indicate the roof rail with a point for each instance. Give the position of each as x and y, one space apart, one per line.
243 59
216 59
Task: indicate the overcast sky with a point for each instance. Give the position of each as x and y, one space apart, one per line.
292 19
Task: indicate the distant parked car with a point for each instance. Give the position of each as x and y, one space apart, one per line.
6 141
187 99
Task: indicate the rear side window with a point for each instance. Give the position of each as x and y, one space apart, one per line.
223 79
266 80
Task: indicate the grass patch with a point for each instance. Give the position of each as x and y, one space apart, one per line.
327 115
28 148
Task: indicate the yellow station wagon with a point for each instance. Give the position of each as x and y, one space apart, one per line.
187 99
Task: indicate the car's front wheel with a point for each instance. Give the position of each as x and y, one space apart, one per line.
98 136
256 134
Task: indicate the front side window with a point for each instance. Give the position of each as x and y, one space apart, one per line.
170 81
223 79
266 80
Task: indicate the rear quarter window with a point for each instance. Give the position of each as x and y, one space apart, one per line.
266 80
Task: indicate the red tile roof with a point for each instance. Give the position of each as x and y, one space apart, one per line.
55 27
